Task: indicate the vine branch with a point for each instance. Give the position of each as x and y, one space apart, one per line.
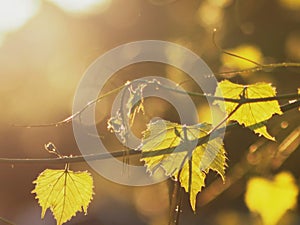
6 221
290 96
258 66
130 152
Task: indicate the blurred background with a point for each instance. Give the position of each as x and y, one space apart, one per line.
45 48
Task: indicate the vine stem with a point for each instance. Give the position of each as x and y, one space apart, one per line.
226 118
6 221
67 120
131 152
234 100
258 66
77 114
265 67
175 205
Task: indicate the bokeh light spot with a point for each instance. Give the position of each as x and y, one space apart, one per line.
15 13
82 7
248 51
290 4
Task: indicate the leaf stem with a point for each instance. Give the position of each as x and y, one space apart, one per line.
73 116
6 221
175 206
226 118
67 120
246 100
131 152
258 67
265 67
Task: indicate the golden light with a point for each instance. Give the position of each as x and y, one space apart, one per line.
292 45
82 7
290 4
248 51
220 3
209 15
15 13
271 199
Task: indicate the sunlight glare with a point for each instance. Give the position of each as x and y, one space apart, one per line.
209 15
80 6
15 13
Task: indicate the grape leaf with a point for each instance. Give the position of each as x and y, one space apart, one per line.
251 114
271 198
63 191
176 149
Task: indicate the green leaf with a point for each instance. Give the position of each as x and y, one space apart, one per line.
271 198
176 148
63 191
251 114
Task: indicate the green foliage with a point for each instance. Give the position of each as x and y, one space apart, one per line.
185 153
189 155
250 114
63 191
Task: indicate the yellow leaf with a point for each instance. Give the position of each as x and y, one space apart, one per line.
63 191
271 199
175 148
247 51
251 114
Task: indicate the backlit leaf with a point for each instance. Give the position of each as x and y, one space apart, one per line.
271 198
251 114
176 148
63 191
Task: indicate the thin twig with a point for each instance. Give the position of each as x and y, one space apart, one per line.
237 172
290 96
258 67
265 67
235 100
70 159
230 53
6 221
78 113
226 118
175 206
131 152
